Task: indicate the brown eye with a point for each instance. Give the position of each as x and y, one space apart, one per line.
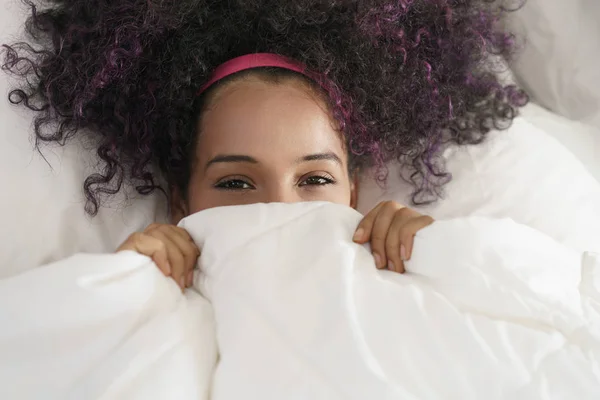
234 184
317 180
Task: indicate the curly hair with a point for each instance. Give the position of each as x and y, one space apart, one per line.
404 77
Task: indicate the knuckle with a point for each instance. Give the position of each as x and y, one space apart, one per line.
426 220
368 220
392 248
403 212
407 239
137 237
387 204
194 252
378 237
152 227
164 228
178 253
190 258
404 228
153 241
408 232
188 251
393 204
378 247
181 230
156 227
162 246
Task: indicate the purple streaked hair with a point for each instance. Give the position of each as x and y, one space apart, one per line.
405 78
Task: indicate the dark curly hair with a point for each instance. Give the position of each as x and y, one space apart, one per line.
404 77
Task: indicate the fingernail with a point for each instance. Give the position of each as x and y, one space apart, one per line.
182 282
190 281
359 234
403 252
391 266
377 260
168 267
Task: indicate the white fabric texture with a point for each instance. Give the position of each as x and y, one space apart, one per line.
103 327
558 64
582 140
42 203
522 174
489 310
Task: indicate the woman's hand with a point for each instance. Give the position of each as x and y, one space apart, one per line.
391 227
170 247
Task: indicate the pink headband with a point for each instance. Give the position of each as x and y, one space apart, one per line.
250 61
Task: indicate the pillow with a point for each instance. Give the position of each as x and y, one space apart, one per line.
521 173
580 139
41 207
559 62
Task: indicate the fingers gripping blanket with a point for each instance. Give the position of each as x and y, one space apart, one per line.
488 310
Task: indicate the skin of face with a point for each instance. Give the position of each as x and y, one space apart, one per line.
263 142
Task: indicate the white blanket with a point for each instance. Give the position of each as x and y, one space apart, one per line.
489 310
103 327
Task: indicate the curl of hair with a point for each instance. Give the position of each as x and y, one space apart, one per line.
405 77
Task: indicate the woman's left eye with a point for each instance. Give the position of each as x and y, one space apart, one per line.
317 180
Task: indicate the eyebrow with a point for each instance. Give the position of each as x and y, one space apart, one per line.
231 158
329 156
239 158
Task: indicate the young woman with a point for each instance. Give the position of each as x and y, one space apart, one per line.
245 101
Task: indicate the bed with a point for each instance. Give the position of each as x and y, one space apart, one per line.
539 181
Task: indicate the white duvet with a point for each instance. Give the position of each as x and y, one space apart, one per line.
489 310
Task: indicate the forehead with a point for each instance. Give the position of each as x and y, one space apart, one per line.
267 120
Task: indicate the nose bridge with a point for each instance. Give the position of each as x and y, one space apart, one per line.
281 192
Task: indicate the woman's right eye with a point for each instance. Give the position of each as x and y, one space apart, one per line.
234 184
